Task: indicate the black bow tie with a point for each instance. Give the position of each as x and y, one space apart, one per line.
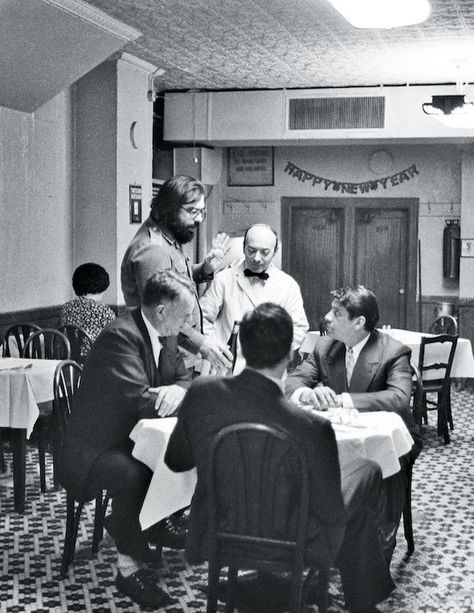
260 275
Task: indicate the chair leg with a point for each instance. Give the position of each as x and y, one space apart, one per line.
296 591
448 406
41 455
323 590
99 515
73 517
443 418
231 589
3 466
212 586
407 516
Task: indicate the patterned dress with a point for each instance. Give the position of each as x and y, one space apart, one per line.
88 314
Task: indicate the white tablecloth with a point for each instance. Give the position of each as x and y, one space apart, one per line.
22 389
168 491
463 364
383 438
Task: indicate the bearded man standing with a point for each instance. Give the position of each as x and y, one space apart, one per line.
176 212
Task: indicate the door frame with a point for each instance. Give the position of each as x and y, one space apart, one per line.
411 205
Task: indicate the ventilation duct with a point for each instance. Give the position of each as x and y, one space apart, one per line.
350 113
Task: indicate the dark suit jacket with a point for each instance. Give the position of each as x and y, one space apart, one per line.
113 395
381 380
212 404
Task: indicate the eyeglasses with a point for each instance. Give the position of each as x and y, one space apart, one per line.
195 212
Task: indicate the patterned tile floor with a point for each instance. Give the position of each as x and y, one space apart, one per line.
438 577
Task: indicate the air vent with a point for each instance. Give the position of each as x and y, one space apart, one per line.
336 113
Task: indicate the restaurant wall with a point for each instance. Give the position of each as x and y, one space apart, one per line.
437 185
36 205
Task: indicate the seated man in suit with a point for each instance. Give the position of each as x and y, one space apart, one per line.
344 503
133 371
356 366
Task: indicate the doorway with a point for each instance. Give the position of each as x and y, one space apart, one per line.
332 242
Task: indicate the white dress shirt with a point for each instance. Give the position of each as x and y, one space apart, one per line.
153 334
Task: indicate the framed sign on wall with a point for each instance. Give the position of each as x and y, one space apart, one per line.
249 166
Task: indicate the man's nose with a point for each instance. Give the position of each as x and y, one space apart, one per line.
328 316
257 257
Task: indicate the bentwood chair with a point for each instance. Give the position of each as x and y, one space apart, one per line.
79 340
16 337
46 344
241 531
67 378
440 384
444 324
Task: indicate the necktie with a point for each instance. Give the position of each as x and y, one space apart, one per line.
350 361
260 275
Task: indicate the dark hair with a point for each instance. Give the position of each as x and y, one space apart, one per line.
262 225
358 301
165 285
173 194
266 334
90 278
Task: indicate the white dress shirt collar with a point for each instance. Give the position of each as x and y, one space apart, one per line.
356 349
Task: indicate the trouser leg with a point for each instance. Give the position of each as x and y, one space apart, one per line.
365 573
126 480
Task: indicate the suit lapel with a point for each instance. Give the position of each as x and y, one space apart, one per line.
366 365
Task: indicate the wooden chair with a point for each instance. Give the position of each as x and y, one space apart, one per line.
444 324
46 344
79 340
17 335
440 385
241 534
67 379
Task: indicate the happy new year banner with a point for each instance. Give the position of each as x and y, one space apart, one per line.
345 187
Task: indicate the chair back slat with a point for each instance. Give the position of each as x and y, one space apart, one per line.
425 363
444 324
67 378
16 337
257 518
80 341
47 344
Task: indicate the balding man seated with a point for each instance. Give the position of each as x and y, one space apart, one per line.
254 280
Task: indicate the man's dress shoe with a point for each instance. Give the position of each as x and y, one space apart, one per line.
142 589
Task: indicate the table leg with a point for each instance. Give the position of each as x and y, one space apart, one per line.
19 468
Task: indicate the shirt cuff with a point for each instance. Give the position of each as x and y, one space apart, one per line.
347 401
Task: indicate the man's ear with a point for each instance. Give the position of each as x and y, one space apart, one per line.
159 309
361 321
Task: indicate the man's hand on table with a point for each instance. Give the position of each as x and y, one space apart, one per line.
168 398
320 397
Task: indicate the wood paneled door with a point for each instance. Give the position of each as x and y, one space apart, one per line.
332 242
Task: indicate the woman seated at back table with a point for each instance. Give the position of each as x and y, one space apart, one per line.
87 310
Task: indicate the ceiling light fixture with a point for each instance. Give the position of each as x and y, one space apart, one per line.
383 13
451 110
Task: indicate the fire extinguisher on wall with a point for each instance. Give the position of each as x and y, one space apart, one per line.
451 249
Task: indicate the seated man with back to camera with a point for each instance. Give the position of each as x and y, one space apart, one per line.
134 371
252 281
344 504
356 366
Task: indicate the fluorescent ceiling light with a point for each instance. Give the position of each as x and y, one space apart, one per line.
383 13
451 110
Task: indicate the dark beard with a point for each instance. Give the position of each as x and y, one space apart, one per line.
181 233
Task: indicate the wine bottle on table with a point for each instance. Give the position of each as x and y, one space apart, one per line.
232 344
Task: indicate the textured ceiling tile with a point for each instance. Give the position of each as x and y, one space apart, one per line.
234 44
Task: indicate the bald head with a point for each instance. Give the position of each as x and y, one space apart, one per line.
260 245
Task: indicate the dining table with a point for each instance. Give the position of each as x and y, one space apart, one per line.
24 385
380 436
463 363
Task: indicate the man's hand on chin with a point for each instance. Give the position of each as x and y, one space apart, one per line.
168 398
